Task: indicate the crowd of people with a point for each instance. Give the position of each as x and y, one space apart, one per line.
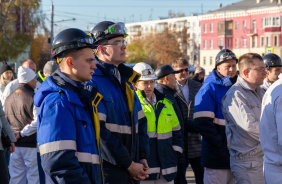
88 118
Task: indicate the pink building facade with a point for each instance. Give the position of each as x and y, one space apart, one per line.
241 30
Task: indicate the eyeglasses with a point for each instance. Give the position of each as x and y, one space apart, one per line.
261 69
148 72
186 70
118 43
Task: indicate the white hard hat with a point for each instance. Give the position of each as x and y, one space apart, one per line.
146 71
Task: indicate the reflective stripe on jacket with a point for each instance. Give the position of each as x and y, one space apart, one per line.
66 137
124 126
166 142
210 123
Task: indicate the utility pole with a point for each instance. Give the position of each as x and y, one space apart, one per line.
21 17
52 28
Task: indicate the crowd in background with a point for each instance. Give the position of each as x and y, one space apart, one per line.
80 121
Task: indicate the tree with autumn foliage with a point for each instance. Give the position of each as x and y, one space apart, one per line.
18 21
157 48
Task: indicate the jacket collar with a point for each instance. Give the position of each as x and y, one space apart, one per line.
159 95
244 84
218 79
164 88
25 85
127 73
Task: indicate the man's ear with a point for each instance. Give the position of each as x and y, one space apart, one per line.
69 62
246 72
166 79
100 49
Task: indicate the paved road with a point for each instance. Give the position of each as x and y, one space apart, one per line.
190 176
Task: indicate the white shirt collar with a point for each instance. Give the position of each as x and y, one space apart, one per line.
153 102
186 83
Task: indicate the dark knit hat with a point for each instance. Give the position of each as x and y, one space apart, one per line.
5 67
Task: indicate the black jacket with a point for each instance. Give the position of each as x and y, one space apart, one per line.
192 140
170 94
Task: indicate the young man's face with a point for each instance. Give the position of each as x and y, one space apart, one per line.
227 68
184 74
257 73
273 73
147 86
115 54
83 65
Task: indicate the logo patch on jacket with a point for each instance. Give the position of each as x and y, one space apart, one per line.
18 91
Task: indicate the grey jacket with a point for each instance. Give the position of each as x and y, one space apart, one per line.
241 107
4 124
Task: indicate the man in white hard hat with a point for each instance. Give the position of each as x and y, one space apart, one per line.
166 143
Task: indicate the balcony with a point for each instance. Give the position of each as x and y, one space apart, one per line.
272 29
228 33
251 32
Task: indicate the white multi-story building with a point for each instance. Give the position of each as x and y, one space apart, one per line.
190 48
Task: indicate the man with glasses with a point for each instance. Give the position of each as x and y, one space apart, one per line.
273 64
241 107
124 139
186 89
209 120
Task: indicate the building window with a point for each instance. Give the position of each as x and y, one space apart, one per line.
275 40
236 25
244 25
205 44
205 28
254 26
228 43
273 21
211 44
244 42
254 42
236 43
267 41
211 28
262 41
204 60
221 42
211 61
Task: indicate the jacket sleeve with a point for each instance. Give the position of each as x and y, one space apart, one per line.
32 127
204 116
5 125
57 143
143 135
236 110
110 144
278 117
177 139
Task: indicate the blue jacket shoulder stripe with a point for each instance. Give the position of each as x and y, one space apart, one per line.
57 146
200 114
